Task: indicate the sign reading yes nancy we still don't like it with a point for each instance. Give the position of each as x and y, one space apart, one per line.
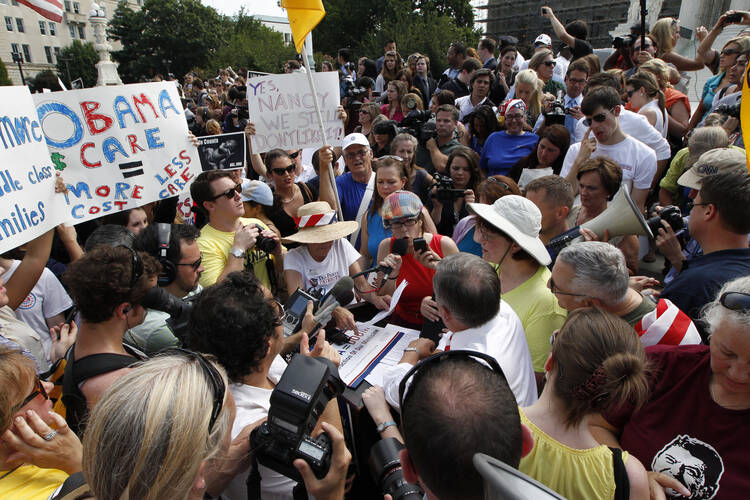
29 205
118 147
283 111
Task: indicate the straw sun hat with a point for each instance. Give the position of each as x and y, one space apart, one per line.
317 223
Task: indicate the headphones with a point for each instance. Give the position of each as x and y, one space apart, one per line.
168 269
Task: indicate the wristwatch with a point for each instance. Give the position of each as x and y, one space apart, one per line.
385 425
236 252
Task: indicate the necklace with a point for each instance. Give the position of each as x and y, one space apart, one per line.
294 193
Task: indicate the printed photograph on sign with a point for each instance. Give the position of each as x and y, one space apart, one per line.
29 205
282 107
118 147
222 152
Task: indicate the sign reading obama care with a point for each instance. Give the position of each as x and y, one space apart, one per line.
118 147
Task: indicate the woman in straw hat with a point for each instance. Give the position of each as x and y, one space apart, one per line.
324 257
402 214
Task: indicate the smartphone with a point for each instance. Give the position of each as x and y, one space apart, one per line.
734 18
686 33
420 245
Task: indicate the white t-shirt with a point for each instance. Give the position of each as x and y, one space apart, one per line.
47 299
519 62
637 160
253 404
662 119
529 174
561 68
465 106
637 126
322 275
503 338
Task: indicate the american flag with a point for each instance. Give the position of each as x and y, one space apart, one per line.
51 9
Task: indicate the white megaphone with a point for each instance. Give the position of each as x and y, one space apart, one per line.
621 217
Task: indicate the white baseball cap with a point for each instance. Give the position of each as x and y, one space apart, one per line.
355 138
543 39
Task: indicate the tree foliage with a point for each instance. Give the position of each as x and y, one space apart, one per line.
4 79
252 45
46 79
81 60
426 26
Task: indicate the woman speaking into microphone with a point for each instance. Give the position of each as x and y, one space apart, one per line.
402 214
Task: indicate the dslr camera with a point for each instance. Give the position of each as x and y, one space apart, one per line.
622 42
297 402
445 192
385 467
729 110
178 309
264 243
420 124
557 112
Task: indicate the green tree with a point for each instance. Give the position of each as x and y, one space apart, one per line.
252 45
46 79
166 34
81 59
4 79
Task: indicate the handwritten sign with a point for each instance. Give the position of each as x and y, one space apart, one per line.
283 111
118 147
28 203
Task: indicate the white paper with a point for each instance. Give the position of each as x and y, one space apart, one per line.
375 377
394 300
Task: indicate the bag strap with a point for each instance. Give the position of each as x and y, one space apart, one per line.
74 488
307 194
366 198
622 483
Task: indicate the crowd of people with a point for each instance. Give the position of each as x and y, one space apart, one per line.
140 351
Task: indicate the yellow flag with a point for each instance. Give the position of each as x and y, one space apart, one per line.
745 111
303 15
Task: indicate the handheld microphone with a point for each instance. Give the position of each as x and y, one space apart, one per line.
400 247
340 295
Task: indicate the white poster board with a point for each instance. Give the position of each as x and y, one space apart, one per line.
118 147
283 111
28 203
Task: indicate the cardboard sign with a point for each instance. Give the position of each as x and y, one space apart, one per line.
222 152
283 111
29 205
118 147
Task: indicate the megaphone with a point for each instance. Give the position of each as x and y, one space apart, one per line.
621 217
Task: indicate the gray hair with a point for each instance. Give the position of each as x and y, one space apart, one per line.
599 270
714 313
404 137
468 287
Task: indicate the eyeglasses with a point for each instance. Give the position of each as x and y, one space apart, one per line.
550 63
354 154
556 289
499 182
644 46
692 205
735 301
195 265
229 193
209 370
281 314
729 52
514 116
598 118
402 222
294 155
38 389
282 171
577 81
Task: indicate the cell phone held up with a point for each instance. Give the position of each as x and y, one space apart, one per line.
420 245
733 18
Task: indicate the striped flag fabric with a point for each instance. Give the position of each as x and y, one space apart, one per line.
667 325
50 9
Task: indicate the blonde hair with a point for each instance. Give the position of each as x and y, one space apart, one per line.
538 58
213 127
17 372
529 77
148 435
743 42
659 69
661 33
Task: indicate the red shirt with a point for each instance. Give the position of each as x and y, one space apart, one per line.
683 433
420 283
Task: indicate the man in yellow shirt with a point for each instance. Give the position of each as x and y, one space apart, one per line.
228 241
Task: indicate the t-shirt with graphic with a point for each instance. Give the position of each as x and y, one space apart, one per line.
48 298
321 276
215 246
682 432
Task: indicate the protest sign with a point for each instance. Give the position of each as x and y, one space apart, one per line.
29 205
118 147
283 111
222 152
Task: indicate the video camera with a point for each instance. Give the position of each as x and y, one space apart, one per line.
351 90
385 467
297 402
421 124
445 192
242 112
178 309
730 110
556 115
622 42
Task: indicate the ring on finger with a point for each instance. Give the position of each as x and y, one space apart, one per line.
50 435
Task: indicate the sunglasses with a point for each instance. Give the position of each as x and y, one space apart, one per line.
229 193
556 289
38 389
282 171
391 157
195 265
735 301
598 118
550 63
729 52
294 155
213 376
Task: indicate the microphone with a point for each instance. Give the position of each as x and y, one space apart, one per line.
340 295
400 246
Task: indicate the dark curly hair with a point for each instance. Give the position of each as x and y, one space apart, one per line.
234 321
101 280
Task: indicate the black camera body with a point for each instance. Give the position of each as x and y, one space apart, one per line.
731 110
445 192
385 467
557 112
297 402
622 42
420 124
264 243
178 309
671 214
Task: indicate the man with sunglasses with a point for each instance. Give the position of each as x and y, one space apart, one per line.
604 137
227 242
183 254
